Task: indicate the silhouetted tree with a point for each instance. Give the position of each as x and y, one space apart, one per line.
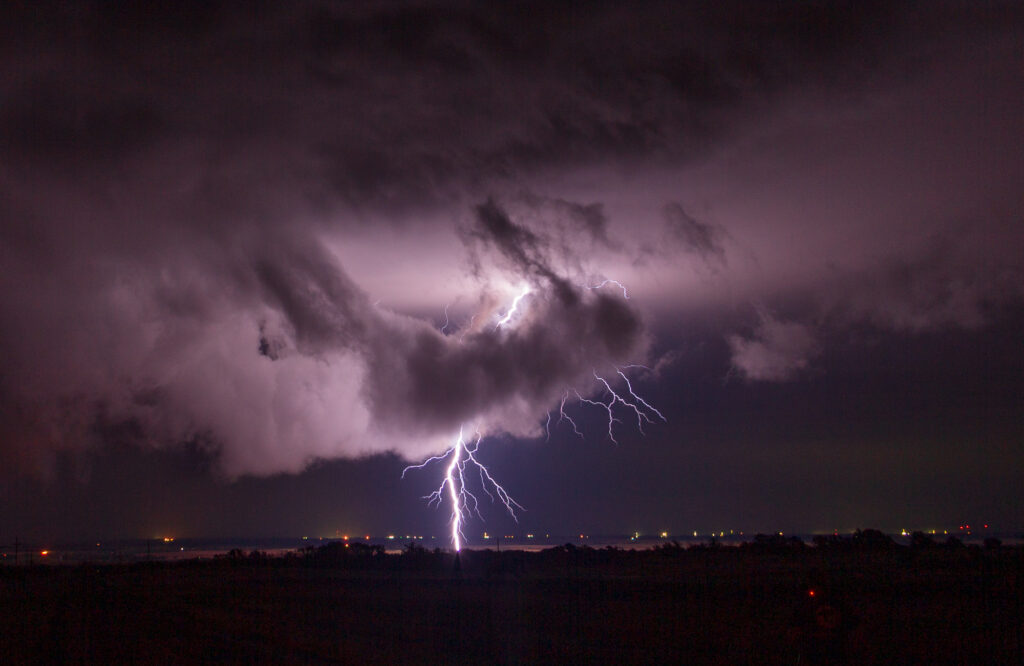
871 538
921 541
775 542
954 543
830 541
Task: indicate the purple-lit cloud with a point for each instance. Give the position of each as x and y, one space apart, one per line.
239 227
777 350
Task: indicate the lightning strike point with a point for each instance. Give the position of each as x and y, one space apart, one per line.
461 455
463 501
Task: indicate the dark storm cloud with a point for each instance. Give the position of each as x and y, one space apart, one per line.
528 252
935 286
175 179
322 306
504 380
575 223
941 285
519 245
547 243
388 105
423 379
703 239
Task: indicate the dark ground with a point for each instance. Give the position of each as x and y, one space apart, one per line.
565 605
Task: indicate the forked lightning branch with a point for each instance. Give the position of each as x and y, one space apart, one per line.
461 458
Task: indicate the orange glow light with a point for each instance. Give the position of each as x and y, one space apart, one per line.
44 553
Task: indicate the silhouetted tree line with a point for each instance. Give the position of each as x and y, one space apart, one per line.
358 555
414 557
490 562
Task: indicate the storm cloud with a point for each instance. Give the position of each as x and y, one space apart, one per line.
209 210
777 350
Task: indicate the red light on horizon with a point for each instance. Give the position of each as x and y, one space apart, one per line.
810 593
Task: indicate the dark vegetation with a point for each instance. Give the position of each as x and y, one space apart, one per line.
855 599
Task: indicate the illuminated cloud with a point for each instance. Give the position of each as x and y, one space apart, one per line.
207 211
777 350
700 238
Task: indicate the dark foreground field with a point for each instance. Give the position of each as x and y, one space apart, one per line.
566 605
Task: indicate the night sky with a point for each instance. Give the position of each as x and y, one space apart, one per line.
253 259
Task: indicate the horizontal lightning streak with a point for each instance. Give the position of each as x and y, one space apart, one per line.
618 284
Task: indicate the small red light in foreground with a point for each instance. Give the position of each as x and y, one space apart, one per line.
810 593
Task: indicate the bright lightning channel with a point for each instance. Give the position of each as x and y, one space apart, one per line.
512 310
464 503
461 455
625 294
640 407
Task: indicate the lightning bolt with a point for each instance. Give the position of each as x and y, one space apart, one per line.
467 328
462 455
625 294
640 407
629 387
464 503
562 416
444 329
512 310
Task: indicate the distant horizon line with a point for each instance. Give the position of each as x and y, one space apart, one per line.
486 538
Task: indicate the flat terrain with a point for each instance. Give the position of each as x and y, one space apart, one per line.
564 605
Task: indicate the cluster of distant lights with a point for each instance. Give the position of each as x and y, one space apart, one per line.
965 529
635 536
486 536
